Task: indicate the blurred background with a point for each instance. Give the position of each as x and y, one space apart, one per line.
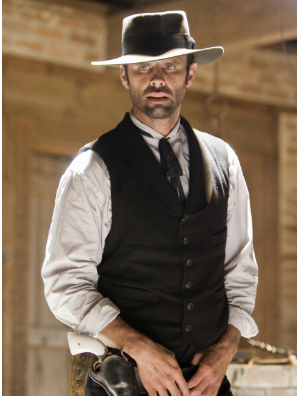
54 102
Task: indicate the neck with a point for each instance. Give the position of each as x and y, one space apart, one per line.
163 126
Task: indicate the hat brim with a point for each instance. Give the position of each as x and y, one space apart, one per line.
202 56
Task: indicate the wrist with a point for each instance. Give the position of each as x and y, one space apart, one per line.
136 344
230 338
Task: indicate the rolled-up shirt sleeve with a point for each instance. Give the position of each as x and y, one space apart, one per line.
80 224
241 270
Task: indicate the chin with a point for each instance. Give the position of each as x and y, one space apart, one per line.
159 113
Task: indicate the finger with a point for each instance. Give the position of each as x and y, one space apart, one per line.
152 392
162 391
200 388
211 390
196 379
181 383
174 390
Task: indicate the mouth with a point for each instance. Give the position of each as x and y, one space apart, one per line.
157 97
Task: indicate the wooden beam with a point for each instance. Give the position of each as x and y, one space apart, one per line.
265 39
55 149
237 24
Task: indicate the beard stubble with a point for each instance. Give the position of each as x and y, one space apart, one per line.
158 111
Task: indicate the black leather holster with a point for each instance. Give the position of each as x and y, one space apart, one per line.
115 375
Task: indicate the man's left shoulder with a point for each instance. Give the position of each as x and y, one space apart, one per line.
214 141
208 137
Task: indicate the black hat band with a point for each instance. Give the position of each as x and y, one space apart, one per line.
155 44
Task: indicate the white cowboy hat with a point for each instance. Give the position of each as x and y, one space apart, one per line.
154 36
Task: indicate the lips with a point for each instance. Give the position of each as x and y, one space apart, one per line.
158 97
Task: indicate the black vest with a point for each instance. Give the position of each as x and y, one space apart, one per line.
163 264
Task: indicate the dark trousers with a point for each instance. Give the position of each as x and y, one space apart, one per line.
93 389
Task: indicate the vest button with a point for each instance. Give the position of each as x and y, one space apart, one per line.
190 306
189 262
188 328
184 219
186 241
189 285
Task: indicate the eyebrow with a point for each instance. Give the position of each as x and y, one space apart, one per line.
176 61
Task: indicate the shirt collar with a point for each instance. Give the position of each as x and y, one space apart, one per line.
154 134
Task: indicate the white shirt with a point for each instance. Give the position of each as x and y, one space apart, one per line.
82 219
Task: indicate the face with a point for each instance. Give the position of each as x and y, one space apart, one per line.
158 88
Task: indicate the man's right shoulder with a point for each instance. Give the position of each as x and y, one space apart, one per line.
105 137
89 160
88 165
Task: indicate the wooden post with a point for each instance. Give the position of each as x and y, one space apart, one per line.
78 368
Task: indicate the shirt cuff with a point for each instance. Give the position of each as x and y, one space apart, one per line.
243 322
98 317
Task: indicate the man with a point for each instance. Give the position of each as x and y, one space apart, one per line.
162 211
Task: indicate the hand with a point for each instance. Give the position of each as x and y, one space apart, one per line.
158 370
213 363
157 366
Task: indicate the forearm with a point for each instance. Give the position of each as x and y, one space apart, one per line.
118 334
229 340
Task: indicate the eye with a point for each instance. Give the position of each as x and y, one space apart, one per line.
143 67
169 66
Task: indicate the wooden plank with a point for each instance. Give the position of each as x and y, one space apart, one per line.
22 157
63 150
78 368
48 353
288 228
9 246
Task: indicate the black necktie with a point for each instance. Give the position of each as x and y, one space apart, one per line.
171 167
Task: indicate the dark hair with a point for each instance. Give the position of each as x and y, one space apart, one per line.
126 72
190 60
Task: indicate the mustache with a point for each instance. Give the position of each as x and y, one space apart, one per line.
163 90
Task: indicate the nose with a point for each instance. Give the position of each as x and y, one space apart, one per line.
157 79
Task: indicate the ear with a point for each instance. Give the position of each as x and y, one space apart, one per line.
192 72
124 77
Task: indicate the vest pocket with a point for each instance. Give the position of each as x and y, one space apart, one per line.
129 292
219 294
219 238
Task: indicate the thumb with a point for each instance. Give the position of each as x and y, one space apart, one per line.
196 359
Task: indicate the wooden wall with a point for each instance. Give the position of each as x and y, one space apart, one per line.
49 113
288 228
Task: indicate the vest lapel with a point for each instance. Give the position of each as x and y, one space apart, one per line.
208 176
148 168
197 199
